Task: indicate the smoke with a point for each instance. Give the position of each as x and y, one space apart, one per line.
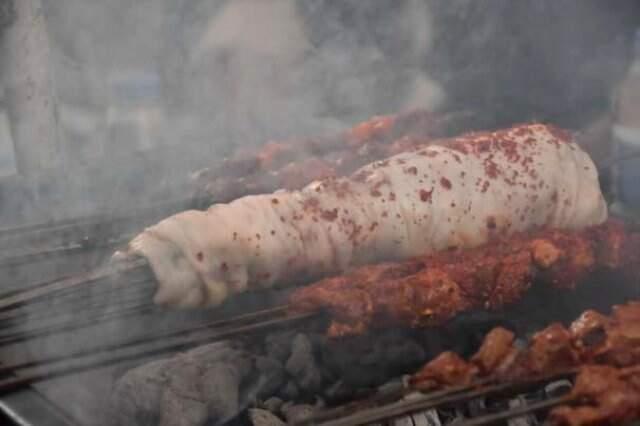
149 91
285 68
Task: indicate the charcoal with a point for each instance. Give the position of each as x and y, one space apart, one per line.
210 354
182 401
297 412
189 389
264 418
338 392
302 364
278 345
220 390
290 391
369 361
273 404
272 377
136 396
180 410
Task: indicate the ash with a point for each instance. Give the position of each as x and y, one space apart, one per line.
287 375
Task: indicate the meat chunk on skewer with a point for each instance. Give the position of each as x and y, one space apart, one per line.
448 369
551 350
604 393
496 352
450 282
605 396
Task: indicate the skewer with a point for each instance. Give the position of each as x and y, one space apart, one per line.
68 225
85 362
334 413
447 396
64 250
257 320
490 419
47 331
41 291
535 407
79 304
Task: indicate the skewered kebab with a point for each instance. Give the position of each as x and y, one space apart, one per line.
612 248
430 290
604 349
457 193
602 395
294 164
502 365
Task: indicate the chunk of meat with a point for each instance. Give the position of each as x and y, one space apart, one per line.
439 286
447 369
606 397
496 347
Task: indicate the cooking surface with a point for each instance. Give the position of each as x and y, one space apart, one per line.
85 396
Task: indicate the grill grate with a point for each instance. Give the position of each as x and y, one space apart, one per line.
502 404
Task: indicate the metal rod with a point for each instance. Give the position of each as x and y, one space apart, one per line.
47 290
429 401
334 413
32 315
490 419
184 332
82 364
48 331
100 220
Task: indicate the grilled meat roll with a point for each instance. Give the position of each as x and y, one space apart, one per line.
457 193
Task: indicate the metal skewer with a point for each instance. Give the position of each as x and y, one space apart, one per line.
41 291
56 366
444 397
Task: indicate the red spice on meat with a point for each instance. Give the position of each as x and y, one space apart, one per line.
199 256
510 149
274 201
361 176
330 215
561 134
392 196
446 183
426 195
428 153
375 193
413 170
310 203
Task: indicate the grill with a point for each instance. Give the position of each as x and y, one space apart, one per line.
159 333
518 404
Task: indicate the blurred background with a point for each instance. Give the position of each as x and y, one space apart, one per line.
106 104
